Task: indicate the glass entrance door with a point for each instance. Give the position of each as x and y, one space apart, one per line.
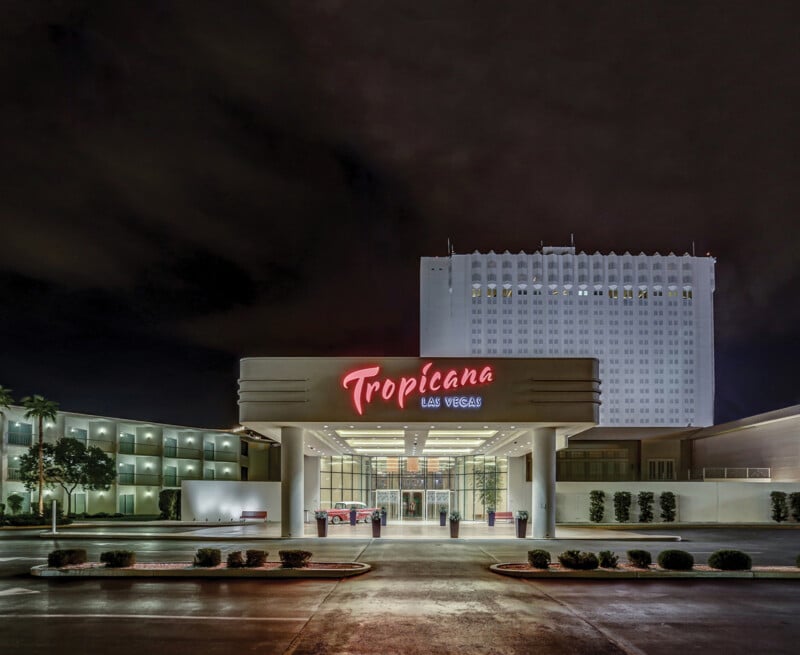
412 506
434 500
390 500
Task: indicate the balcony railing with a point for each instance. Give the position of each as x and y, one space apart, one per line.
182 453
220 456
152 479
14 474
19 439
732 473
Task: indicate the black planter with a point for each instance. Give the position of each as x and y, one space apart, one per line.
322 527
454 529
353 515
491 519
376 528
442 518
383 517
522 527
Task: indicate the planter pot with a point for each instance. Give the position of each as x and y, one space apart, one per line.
376 529
454 529
322 527
522 527
353 515
442 518
383 517
491 519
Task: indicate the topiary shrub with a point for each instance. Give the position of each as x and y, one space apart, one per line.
294 559
780 510
645 501
597 505
794 505
539 559
256 558
676 560
235 560
118 559
607 559
622 506
730 560
641 559
581 561
208 557
66 557
667 502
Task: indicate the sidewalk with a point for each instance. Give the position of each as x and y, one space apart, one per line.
406 530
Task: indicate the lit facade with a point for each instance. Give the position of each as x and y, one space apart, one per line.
149 457
648 319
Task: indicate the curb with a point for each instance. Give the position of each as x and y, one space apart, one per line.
357 568
652 574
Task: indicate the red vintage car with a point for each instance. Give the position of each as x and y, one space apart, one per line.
340 512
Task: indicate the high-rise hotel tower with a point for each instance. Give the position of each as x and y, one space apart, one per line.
648 319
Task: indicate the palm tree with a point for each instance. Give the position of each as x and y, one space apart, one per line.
40 408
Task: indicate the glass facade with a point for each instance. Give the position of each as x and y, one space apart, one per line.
415 488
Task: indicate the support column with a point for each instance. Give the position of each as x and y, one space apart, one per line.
292 482
543 501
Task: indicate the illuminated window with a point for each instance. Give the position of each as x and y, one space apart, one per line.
627 294
491 292
613 294
642 294
476 292
687 294
507 293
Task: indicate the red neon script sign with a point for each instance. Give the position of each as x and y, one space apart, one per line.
367 385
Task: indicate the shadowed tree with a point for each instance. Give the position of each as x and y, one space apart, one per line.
42 409
70 464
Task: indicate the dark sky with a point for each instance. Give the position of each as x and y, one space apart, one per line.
186 183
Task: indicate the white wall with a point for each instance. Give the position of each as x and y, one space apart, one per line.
311 477
220 500
697 502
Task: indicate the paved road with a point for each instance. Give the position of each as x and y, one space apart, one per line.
421 597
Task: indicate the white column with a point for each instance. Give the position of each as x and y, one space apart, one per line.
292 482
543 502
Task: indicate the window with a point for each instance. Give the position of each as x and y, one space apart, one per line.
476 292
507 293
661 469
244 448
613 294
20 434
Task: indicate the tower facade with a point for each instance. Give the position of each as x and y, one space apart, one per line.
648 319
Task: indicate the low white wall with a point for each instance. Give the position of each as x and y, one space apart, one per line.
222 500
697 502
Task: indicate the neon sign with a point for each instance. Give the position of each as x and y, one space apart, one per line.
366 385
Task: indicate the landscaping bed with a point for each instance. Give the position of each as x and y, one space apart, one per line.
188 570
627 572
207 563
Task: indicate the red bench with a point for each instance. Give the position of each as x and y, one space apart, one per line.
254 514
504 516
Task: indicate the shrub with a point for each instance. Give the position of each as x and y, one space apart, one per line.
676 560
597 502
607 559
118 559
780 510
15 501
667 503
730 560
582 561
294 559
65 557
169 503
455 516
208 557
645 501
22 520
794 505
641 559
256 558
539 559
622 506
235 560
